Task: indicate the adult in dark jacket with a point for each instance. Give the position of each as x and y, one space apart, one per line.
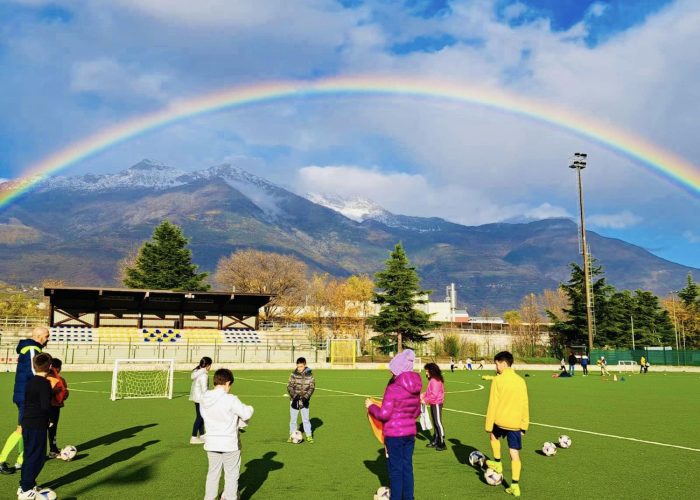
26 350
572 363
300 387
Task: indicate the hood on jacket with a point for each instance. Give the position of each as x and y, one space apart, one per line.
211 397
306 371
410 381
402 362
27 342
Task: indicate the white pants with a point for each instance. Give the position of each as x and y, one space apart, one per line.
231 463
294 413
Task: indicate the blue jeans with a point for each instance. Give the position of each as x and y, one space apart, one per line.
400 465
571 370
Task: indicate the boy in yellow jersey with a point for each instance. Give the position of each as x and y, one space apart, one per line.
507 416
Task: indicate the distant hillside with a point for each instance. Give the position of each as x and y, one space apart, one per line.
77 228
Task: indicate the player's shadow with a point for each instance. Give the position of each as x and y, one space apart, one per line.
378 467
120 456
256 473
113 437
315 422
461 451
540 452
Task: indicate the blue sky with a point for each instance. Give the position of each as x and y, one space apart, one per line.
69 68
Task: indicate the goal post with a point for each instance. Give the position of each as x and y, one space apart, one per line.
628 366
343 351
142 378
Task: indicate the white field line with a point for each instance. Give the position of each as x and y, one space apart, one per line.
587 432
624 438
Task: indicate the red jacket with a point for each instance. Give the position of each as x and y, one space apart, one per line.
400 405
59 388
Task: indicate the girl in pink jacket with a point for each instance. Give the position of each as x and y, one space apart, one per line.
399 410
435 397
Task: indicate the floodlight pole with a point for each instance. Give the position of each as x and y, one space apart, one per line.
579 163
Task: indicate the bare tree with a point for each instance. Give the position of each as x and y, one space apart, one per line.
254 271
555 301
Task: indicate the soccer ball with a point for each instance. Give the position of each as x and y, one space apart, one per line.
564 441
476 459
382 493
46 494
549 449
297 437
68 453
492 477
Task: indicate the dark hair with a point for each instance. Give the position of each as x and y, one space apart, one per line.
223 375
504 356
56 363
204 362
301 360
434 371
42 362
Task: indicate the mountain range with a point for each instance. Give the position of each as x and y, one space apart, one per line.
78 228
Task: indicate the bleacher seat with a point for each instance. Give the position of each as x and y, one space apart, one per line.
77 334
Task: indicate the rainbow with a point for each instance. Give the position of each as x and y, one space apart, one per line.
654 158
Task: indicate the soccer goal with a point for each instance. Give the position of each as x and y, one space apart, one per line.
627 366
343 351
142 378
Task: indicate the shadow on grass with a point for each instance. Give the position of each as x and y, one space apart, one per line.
378 467
113 437
256 473
315 422
131 473
462 452
115 458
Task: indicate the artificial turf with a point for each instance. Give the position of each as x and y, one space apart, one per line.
139 448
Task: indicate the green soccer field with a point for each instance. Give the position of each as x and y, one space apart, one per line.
634 439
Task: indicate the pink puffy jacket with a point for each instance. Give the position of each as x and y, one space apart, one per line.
400 405
435 395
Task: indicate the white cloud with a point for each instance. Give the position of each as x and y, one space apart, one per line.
691 236
107 77
547 211
619 220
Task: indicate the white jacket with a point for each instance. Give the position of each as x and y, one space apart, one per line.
223 413
200 384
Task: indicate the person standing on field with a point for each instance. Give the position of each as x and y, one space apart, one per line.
572 363
300 387
27 350
200 384
584 364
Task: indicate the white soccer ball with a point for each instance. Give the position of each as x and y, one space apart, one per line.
46 494
549 449
564 441
492 477
383 493
476 459
297 437
68 453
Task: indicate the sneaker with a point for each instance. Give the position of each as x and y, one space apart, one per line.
441 447
196 440
6 468
18 466
309 439
27 495
431 444
54 454
513 489
497 466
289 440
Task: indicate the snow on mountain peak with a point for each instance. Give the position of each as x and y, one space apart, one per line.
356 208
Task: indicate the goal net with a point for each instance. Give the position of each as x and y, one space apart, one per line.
628 366
343 351
142 378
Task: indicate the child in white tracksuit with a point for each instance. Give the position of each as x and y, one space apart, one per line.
223 415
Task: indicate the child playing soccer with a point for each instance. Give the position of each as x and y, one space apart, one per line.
223 415
300 387
59 390
399 410
435 397
200 384
507 416
35 423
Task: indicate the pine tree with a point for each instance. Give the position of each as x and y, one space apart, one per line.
165 263
689 294
399 292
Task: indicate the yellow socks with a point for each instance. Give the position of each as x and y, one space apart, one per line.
10 444
496 448
20 452
516 466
